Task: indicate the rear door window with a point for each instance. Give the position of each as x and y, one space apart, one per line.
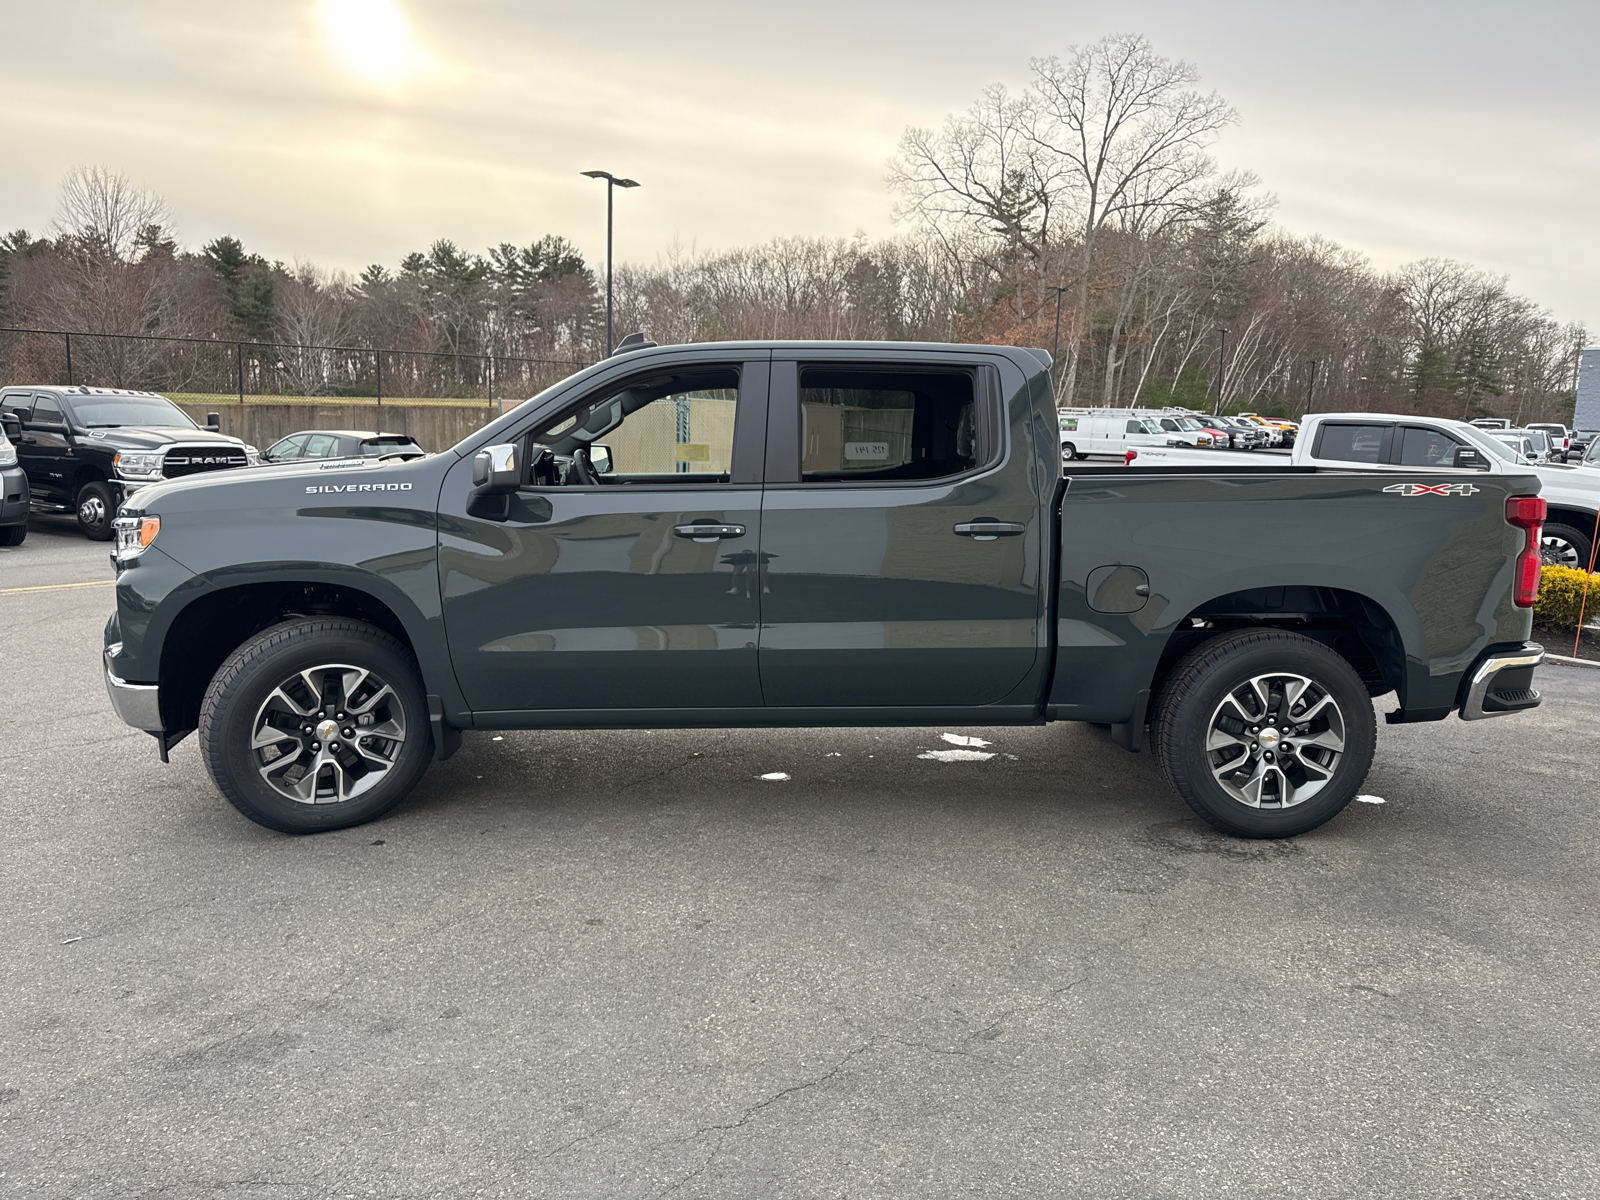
321 445
867 424
1341 442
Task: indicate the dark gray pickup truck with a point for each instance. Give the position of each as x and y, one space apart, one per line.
806 534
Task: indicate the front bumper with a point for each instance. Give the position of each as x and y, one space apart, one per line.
13 496
138 704
1503 683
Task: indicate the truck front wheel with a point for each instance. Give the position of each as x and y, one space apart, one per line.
316 724
1264 733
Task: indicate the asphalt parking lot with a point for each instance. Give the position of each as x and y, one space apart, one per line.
624 965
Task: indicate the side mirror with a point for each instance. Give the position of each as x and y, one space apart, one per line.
12 426
214 422
600 459
494 471
1470 459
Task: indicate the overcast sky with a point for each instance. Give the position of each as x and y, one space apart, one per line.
354 131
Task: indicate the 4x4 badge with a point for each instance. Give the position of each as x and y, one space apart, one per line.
1432 489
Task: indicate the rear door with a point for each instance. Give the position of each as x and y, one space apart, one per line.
901 540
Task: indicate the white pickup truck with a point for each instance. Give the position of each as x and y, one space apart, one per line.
1408 443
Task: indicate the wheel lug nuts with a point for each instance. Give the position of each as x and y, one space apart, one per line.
307 731
1269 756
333 745
316 745
340 717
349 733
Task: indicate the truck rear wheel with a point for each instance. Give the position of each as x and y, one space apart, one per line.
315 725
1069 451
1264 733
1563 546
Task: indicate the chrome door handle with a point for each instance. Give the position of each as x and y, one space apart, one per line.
708 533
987 531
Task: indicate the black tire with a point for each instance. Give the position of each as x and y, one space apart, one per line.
97 510
1069 451
272 661
13 535
1563 546
1194 695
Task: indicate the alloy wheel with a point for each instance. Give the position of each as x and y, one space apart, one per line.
1275 740
328 734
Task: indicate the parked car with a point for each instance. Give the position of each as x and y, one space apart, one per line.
1255 436
1405 443
1281 433
1230 436
1491 423
1560 438
1525 446
1108 431
341 443
1578 443
86 450
864 534
13 484
1185 430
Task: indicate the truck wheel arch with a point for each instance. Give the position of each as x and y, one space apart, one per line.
1353 625
201 636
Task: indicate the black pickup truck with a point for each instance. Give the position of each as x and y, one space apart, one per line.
808 534
85 449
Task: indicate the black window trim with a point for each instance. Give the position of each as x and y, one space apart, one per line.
783 421
749 427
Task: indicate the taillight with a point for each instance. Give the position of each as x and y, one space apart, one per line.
1128 456
1526 513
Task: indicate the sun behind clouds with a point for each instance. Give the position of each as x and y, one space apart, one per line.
374 43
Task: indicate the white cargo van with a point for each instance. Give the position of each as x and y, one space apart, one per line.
1087 431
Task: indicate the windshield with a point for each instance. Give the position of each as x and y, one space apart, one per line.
150 411
1496 447
1189 424
1152 427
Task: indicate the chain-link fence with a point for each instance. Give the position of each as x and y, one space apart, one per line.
199 368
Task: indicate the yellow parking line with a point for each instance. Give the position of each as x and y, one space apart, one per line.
56 587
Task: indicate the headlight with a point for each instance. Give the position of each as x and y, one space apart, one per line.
136 465
252 457
134 534
8 452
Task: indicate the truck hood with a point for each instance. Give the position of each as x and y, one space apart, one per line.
273 486
143 437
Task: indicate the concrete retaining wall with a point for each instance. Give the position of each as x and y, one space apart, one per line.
435 426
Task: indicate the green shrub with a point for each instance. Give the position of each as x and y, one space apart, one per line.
1561 596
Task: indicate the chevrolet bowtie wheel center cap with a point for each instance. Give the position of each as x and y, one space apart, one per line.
329 730
1269 738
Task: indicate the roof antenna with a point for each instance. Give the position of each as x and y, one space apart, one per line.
634 341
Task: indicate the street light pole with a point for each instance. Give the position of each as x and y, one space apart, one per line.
611 182
1222 370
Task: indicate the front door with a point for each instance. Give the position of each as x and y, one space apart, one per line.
623 575
900 542
46 454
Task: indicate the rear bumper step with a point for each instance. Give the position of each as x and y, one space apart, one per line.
1503 683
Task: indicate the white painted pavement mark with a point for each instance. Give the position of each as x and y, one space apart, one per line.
1369 799
957 755
776 776
955 739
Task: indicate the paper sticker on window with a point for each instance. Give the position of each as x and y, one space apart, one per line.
694 452
874 451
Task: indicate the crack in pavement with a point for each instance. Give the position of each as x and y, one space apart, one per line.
582 1137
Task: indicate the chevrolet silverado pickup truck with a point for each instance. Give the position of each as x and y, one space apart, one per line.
813 534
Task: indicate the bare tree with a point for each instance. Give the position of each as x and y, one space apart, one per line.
106 216
313 315
1130 133
985 171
